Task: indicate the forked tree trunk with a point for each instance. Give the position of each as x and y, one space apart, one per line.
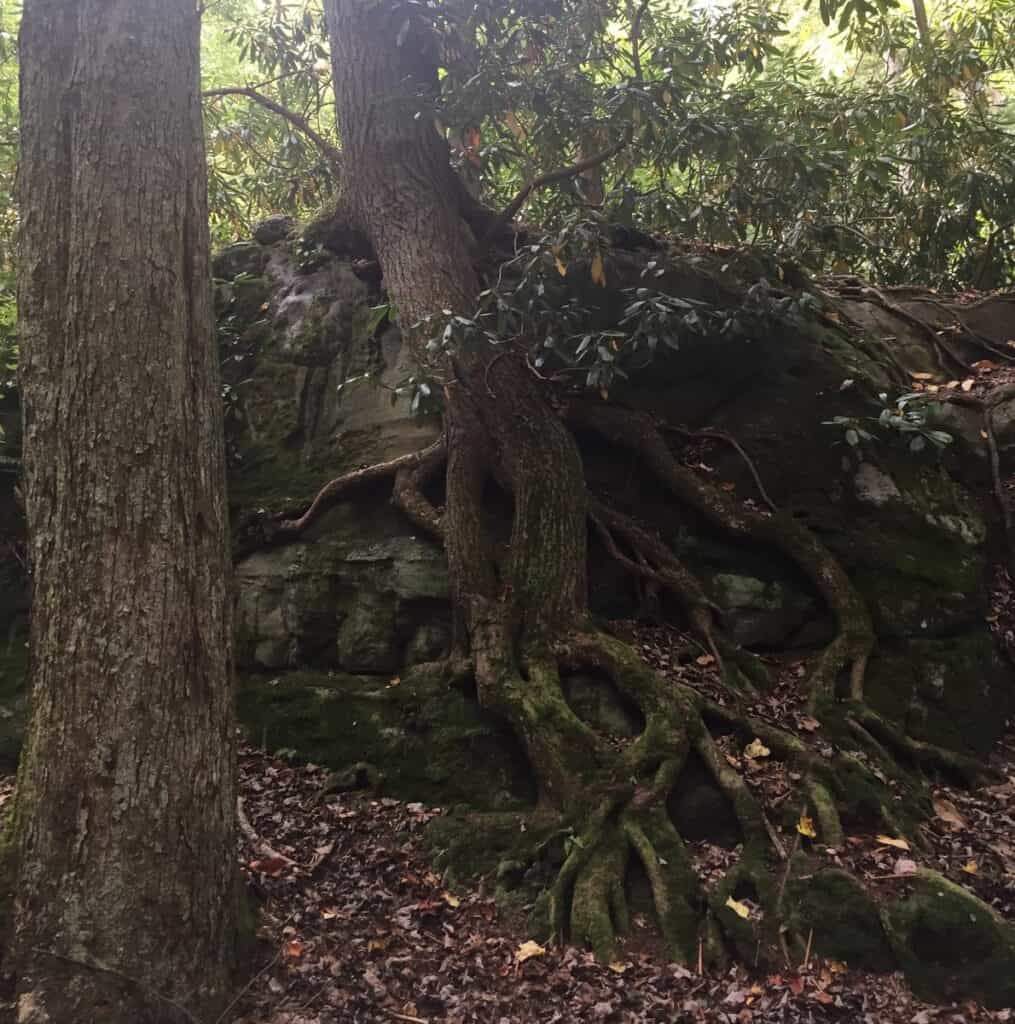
125 805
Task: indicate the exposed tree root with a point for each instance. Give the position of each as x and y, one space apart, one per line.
611 796
849 650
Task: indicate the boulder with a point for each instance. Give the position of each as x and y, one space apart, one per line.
950 944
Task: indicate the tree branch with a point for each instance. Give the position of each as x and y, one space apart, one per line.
550 178
330 152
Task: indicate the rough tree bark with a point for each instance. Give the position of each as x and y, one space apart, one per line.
521 606
125 806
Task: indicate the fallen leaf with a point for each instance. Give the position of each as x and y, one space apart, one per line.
561 269
619 966
756 749
805 826
704 660
971 867
922 376
738 908
967 384
899 844
450 899
810 724
270 866
948 812
527 950
905 866
294 948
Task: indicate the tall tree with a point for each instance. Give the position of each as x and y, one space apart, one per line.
520 605
126 800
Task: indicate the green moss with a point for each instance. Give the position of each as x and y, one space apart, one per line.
843 918
950 944
950 691
425 739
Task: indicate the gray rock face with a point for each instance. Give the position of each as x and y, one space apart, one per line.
315 379
353 597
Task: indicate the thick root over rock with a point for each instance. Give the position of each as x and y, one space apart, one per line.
603 807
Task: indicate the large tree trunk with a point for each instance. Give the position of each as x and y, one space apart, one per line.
125 806
403 194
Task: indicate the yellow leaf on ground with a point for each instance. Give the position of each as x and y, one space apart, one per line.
450 899
756 749
527 950
899 844
971 867
738 908
805 826
922 376
619 966
561 269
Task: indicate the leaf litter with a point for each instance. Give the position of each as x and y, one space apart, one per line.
356 928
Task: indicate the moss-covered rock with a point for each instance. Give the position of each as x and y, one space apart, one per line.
950 944
952 691
424 739
843 918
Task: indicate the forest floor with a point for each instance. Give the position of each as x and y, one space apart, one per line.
356 927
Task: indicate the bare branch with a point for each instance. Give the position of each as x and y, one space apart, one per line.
333 491
550 178
330 152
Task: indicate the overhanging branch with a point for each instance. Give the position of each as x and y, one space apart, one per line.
550 178
330 152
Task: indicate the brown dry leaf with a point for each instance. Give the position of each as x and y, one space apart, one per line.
619 966
527 950
738 908
294 948
561 269
922 376
905 866
971 867
899 844
704 660
451 899
948 812
967 384
270 866
397 681
810 724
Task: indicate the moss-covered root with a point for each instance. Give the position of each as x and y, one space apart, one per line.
598 904
676 892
